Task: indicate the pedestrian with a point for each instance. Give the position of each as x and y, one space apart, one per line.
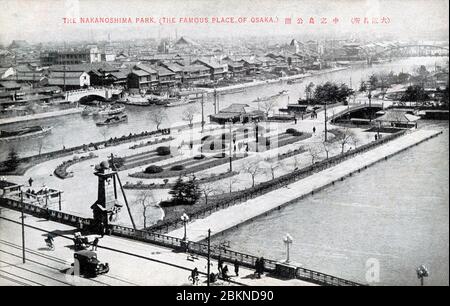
314 129
80 225
95 244
225 273
376 137
219 264
236 267
261 266
30 181
257 267
295 120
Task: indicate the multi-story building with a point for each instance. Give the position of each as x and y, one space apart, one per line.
143 78
70 57
196 75
217 71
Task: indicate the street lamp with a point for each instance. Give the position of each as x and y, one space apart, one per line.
185 219
287 241
421 273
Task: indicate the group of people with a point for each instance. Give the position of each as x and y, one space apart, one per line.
259 266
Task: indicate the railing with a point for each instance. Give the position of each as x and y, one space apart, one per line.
198 248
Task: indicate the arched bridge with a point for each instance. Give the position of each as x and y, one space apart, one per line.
95 92
360 111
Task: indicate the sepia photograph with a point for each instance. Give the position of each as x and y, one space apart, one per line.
231 144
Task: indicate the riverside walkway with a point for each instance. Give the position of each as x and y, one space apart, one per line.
233 216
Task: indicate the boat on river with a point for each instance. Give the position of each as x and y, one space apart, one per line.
113 120
137 100
180 102
26 132
111 110
268 98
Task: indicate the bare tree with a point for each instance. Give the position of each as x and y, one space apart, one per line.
231 181
327 146
271 166
347 137
208 189
268 105
314 150
189 113
253 168
157 116
40 144
145 198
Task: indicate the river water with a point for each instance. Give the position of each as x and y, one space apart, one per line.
73 130
396 212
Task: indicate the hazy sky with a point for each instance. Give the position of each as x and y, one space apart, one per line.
42 20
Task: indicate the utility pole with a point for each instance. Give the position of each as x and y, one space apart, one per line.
203 113
231 158
370 103
326 131
23 226
209 256
215 101
64 77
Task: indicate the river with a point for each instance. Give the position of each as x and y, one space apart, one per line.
73 130
396 212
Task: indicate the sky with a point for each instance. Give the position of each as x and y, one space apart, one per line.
42 20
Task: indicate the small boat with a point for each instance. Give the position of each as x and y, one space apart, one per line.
111 110
113 120
267 98
31 131
180 102
137 100
90 111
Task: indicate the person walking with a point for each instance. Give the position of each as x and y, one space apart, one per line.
220 265
95 244
30 181
314 129
236 267
257 268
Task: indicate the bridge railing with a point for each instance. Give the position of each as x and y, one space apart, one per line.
198 248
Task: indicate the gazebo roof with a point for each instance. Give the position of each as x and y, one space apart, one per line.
397 116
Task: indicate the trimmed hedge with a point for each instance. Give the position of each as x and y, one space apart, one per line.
293 132
153 169
162 151
177 168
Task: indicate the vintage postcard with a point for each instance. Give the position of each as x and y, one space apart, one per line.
224 143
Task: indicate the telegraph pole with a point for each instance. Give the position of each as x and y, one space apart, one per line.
231 159
209 256
23 226
326 131
203 113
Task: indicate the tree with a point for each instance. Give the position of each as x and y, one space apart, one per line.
145 198
268 105
314 151
13 160
253 168
158 116
347 137
414 93
40 144
332 93
208 189
185 192
231 181
309 90
327 147
271 166
189 113
373 82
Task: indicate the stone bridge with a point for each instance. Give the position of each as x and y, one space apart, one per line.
102 92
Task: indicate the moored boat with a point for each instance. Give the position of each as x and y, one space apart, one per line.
113 120
267 98
111 110
31 131
179 102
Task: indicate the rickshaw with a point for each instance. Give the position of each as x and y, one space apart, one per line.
89 265
80 242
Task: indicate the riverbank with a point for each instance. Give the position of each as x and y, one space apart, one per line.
233 216
39 116
272 81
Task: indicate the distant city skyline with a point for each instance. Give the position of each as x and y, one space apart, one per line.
42 21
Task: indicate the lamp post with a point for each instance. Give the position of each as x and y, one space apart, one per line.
287 241
422 272
185 219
